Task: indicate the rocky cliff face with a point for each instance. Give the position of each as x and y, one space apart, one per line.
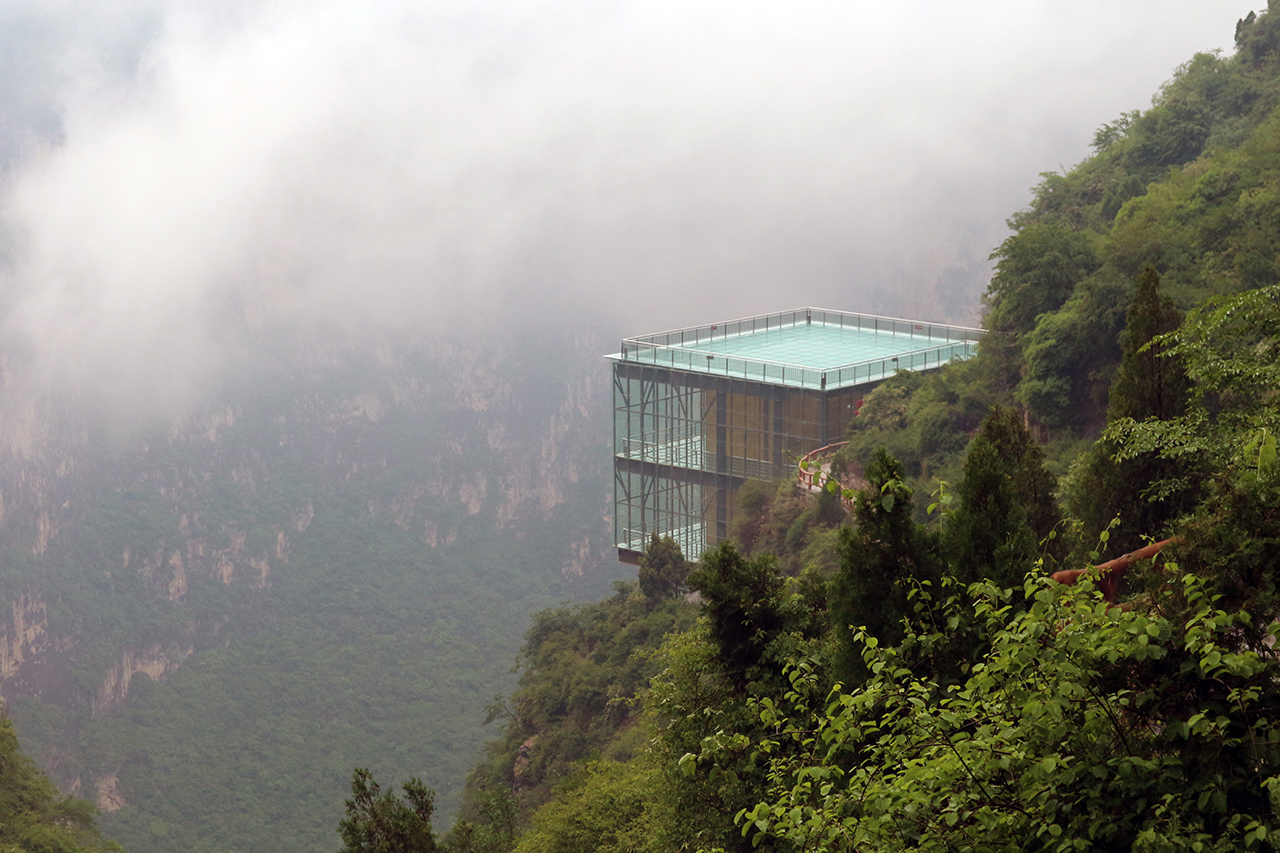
25 636
96 523
155 660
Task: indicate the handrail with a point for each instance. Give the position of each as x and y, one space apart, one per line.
808 479
807 316
764 370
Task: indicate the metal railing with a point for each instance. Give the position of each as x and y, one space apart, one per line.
814 475
684 348
803 317
810 470
692 539
781 373
677 447
690 453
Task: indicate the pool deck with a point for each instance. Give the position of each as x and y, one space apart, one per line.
806 348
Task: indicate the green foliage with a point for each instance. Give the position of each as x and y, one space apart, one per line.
1189 186
701 719
1086 727
1036 271
369 617
1258 38
1068 358
495 828
742 601
663 568
1234 542
1171 133
885 557
583 670
754 622
988 535
922 420
983 707
1005 505
608 808
1148 385
382 657
1140 490
690 702
34 817
383 823
1024 464
982 717
780 519
1228 348
1082 725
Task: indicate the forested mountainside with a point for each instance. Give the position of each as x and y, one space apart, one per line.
33 814
208 626
214 625
911 677
1188 186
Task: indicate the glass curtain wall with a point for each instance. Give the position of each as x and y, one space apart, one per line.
684 442
658 443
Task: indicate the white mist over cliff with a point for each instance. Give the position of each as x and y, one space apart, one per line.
340 168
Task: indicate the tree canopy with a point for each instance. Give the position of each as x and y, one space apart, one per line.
380 822
34 817
916 680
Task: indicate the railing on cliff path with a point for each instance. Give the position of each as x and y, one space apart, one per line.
814 470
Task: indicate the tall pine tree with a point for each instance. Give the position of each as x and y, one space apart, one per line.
988 535
742 602
882 554
379 822
1024 464
1147 491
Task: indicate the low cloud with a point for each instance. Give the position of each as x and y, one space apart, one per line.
352 167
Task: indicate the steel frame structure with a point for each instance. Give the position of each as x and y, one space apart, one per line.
691 426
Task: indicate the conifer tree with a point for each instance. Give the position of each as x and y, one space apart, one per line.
1145 491
742 603
1006 509
881 555
1148 383
988 535
663 568
703 697
378 822
1024 461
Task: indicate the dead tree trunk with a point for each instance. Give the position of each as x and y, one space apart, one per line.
1108 575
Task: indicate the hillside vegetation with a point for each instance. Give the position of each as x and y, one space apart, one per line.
207 628
1189 186
911 677
34 816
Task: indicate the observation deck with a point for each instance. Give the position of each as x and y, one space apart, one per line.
806 348
698 411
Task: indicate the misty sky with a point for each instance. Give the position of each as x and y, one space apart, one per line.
178 172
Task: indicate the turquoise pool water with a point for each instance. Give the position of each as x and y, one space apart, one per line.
816 347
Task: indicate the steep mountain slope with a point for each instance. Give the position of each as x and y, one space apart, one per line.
1189 186
982 705
209 626
33 816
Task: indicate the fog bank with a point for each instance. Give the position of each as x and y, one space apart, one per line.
185 177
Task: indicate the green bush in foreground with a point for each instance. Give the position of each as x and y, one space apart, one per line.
1086 727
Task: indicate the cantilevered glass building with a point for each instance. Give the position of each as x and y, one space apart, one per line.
699 411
